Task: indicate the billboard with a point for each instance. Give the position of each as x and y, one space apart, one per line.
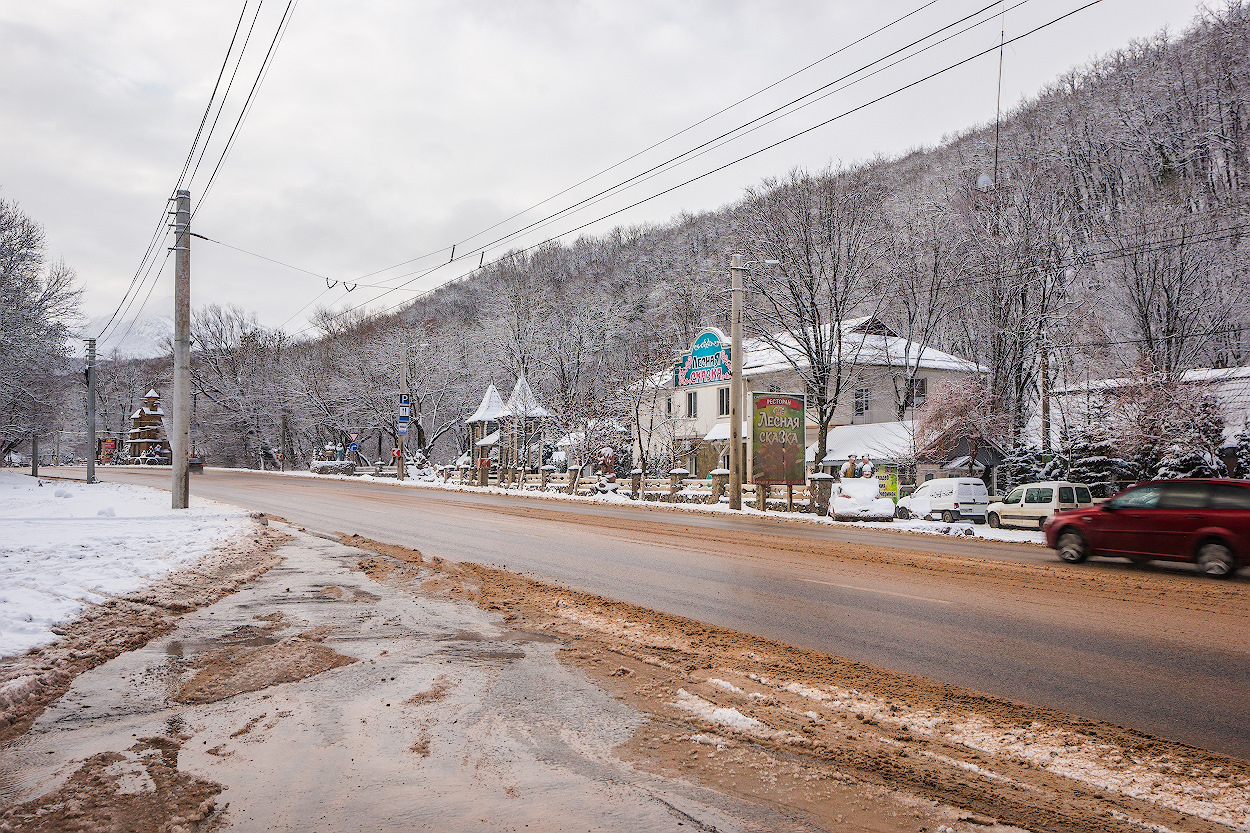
887 474
777 432
706 362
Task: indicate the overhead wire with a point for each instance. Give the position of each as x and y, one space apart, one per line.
671 136
754 153
229 86
731 136
649 173
266 62
135 285
261 73
657 144
661 165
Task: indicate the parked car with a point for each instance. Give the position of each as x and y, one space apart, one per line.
1032 504
949 498
1206 522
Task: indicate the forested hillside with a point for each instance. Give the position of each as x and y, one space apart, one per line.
1099 232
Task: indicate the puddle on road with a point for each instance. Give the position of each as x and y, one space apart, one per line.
444 719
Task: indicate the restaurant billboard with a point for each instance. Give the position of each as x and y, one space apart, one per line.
778 427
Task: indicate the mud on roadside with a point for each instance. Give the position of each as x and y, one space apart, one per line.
842 742
29 682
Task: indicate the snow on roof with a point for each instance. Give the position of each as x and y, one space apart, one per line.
152 394
522 402
882 441
490 439
137 414
720 431
492 404
1230 385
865 341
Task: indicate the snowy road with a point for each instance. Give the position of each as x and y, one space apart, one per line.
1157 649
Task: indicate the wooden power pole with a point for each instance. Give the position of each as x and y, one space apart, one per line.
180 437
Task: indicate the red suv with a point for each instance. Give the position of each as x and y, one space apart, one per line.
1202 521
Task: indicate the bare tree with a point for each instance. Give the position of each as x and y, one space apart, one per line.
827 233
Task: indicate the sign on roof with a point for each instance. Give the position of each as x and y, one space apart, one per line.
706 362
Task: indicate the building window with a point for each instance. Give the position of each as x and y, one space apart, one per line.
861 401
917 389
692 403
722 402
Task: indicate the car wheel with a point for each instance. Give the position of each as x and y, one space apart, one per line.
948 517
994 520
1072 547
1216 560
902 514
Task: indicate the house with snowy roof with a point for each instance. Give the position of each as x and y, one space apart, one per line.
885 375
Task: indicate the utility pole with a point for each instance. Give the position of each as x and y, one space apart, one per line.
34 455
180 438
283 445
91 410
736 268
403 389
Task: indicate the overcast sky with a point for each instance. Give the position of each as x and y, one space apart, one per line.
390 129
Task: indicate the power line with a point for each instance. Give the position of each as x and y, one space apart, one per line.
659 166
243 113
768 147
229 86
706 119
261 72
670 137
135 285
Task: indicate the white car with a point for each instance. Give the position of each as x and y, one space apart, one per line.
1032 504
949 498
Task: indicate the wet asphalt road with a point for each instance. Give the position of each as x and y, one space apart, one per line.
657 559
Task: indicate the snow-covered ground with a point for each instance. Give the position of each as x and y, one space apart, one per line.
64 545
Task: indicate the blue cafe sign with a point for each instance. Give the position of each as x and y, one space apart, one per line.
706 362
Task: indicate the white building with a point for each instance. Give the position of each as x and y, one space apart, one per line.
687 415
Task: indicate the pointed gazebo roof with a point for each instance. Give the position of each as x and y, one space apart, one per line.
488 411
523 403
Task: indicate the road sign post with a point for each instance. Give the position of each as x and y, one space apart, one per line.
405 407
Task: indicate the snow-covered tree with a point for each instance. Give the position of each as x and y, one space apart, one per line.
38 300
1095 462
1023 464
1243 450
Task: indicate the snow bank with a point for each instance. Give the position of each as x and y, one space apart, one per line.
66 545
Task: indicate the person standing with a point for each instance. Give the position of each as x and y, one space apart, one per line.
866 469
850 468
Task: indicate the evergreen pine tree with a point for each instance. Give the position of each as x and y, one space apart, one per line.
1243 450
1095 462
1023 464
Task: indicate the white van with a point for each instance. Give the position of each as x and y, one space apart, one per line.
1031 504
949 498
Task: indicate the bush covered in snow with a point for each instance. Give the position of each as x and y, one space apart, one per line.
332 467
